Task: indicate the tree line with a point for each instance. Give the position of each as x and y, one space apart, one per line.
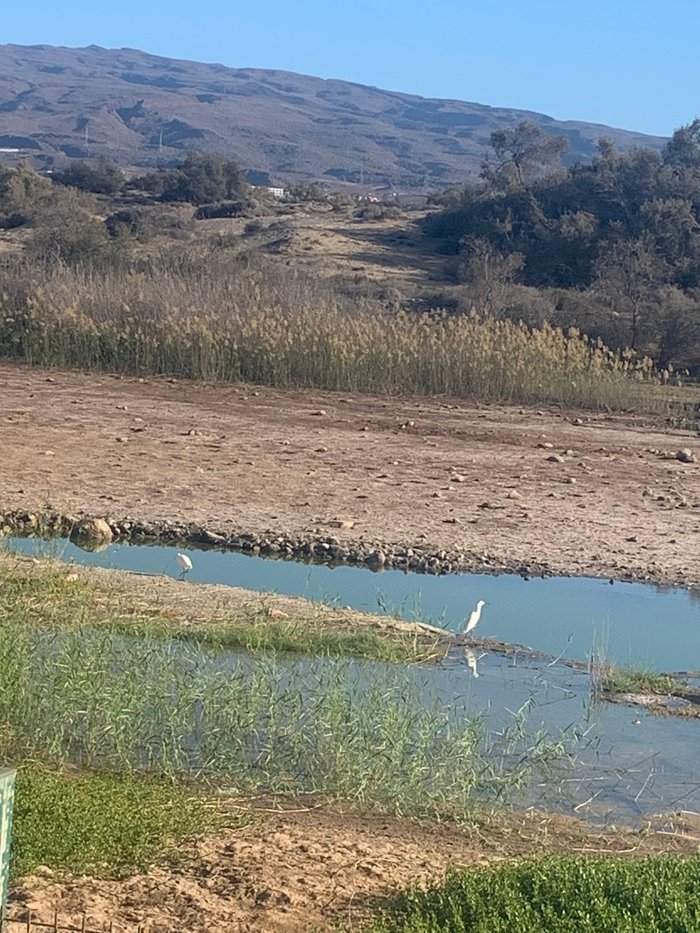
612 246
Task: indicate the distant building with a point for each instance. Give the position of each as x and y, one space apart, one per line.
275 192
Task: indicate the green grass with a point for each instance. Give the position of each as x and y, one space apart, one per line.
297 636
42 595
613 680
103 825
658 894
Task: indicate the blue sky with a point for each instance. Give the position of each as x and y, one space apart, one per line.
626 63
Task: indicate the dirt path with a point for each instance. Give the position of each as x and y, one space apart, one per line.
310 869
436 472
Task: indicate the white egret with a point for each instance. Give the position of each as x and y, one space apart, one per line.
473 619
184 562
471 659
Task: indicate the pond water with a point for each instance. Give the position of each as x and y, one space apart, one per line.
629 624
624 763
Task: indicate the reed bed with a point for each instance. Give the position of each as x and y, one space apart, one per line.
207 315
366 733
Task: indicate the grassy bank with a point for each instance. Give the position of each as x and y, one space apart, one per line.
201 315
48 593
559 895
615 680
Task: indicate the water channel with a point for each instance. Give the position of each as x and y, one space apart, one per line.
629 624
628 763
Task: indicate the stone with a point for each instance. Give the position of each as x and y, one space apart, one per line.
685 455
377 558
96 529
341 523
513 494
555 458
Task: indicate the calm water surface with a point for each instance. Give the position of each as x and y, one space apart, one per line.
631 624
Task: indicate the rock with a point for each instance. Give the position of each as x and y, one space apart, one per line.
320 412
458 478
513 494
376 558
212 537
685 455
341 523
95 529
555 458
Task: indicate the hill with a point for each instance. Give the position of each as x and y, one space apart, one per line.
144 110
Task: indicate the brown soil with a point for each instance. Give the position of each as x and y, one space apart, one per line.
441 473
310 869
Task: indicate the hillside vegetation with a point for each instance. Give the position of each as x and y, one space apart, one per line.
189 271
611 247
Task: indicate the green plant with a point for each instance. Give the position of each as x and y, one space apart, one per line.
371 734
101 824
658 894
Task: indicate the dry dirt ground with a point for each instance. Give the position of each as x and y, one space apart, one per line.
309 869
579 494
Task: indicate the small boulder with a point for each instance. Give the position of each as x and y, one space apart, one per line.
685 455
95 529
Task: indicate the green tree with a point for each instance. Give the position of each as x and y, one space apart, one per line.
522 153
102 177
204 180
684 146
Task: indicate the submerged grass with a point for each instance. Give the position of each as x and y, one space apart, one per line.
202 316
362 732
100 824
559 895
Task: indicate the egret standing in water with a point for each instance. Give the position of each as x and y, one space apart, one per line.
473 619
185 564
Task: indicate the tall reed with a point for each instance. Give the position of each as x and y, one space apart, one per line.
208 316
363 732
